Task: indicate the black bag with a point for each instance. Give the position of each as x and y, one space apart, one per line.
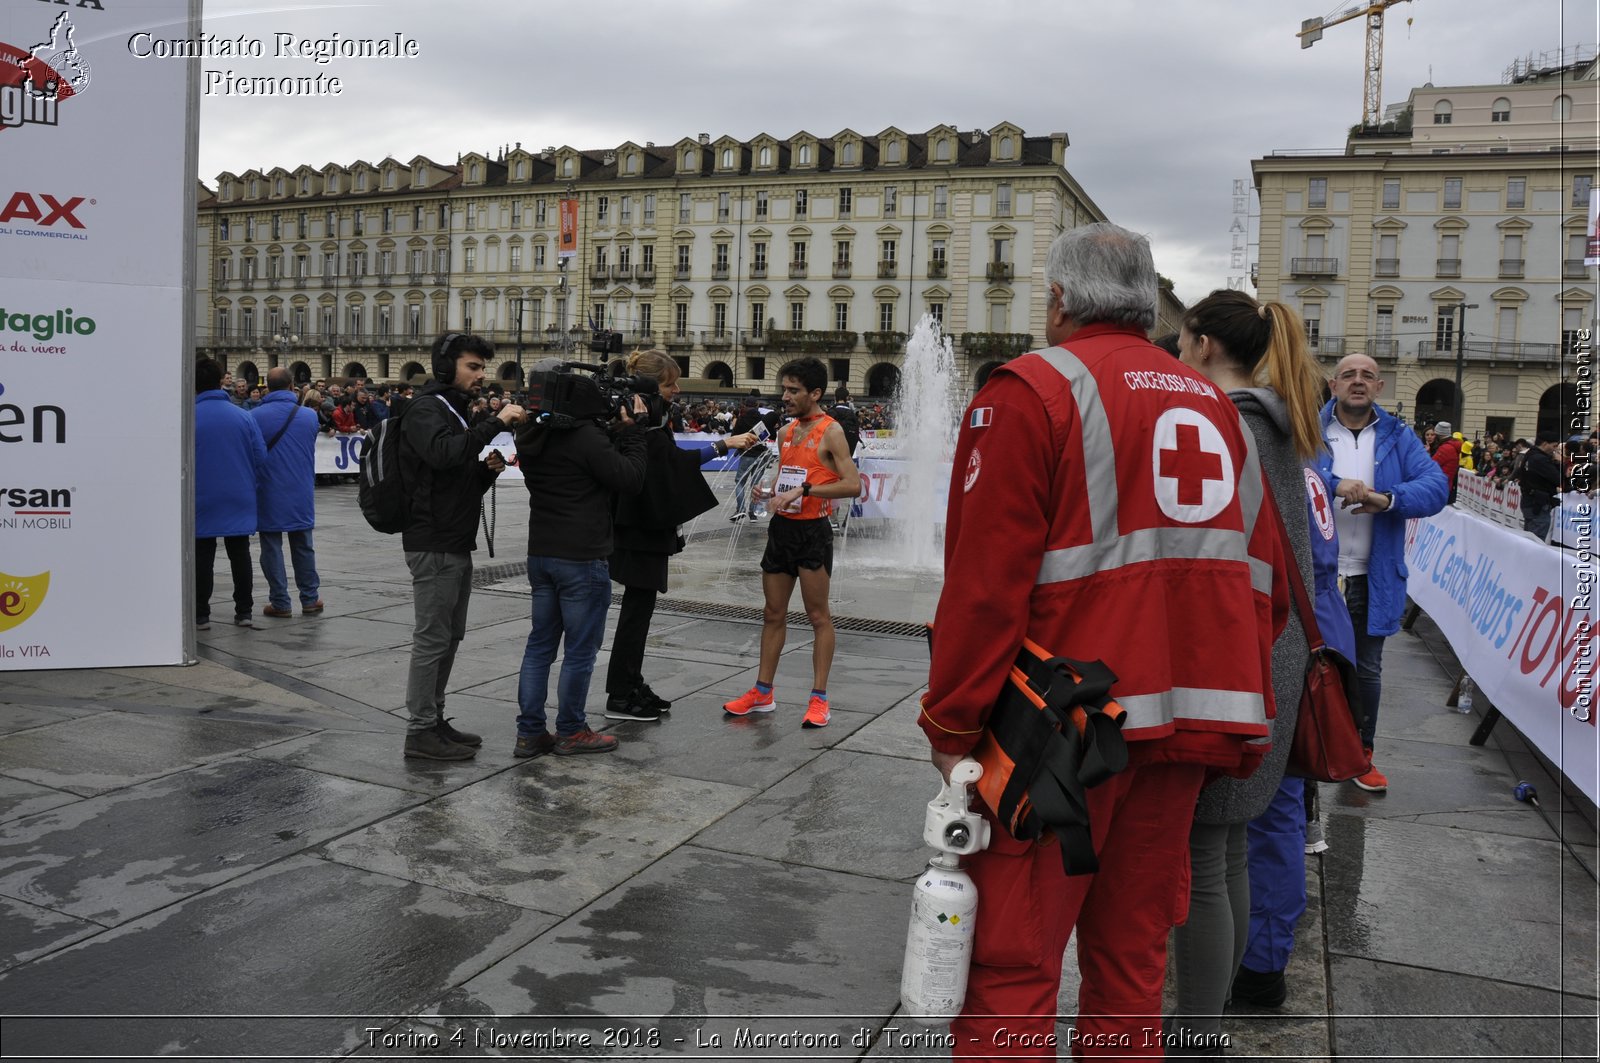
850 423
383 493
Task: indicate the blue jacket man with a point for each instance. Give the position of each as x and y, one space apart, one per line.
1381 475
286 499
229 456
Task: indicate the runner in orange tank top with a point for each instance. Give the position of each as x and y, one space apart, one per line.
814 468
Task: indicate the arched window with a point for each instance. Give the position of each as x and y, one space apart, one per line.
766 156
847 154
1500 110
1441 112
472 172
941 153
522 170
1006 149
633 164
688 160
1561 110
727 158
566 167
805 155
892 152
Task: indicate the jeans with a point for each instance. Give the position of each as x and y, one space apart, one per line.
441 586
305 567
570 598
753 462
205 561
1536 512
1369 656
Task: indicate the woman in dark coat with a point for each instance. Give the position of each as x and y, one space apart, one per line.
646 535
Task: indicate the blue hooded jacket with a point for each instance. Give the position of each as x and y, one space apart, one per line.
228 456
1419 489
286 500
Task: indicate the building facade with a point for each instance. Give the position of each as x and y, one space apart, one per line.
732 255
1451 239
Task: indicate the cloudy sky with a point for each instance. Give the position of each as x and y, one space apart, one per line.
1165 101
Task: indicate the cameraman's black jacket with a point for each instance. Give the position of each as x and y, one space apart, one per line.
571 475
442 469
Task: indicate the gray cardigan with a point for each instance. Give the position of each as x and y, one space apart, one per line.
1230 800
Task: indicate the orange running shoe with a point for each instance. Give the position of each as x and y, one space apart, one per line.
816 713
751 701
1374 781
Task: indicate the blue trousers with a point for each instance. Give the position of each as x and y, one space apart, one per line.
1277 840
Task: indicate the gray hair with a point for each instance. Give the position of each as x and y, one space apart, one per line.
1106 275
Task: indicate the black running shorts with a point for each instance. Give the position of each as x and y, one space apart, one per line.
796 544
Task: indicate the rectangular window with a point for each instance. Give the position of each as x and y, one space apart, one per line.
683 259
538 255
941 200
841 317
516 213
539 209
645 310
388 219
472 215
221 330
327 321
277 226
330 265
222 269
516 258
889 249
720 254
330 224
1571 327
719 318
625 256
758 318
885 317
890 199
469 259
797 315
247 322
384 322
1312 312
723 206
839 370
602 209
302 223
685 206
601 256
301 267
466 314
845 202
999 317
936 311
761 204
650 208
800 202
758 255
799 258
1317 193
414 320
1002 249
625 210
1444 328
1452 193
444 216
841 252
680 319
647 256
756 368
416 219
936 253
1581 185
1002 201
1516 193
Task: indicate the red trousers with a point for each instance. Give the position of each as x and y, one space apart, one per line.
1028 909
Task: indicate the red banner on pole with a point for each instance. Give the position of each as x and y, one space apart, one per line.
568 246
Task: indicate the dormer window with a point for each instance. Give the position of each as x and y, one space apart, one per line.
941 150
388 179
472 172
688 160
633 164
278 186
566 167
727 158
305 185
1007 148
255 188
421 175
804 155
891 152
361 181
847 154
766 156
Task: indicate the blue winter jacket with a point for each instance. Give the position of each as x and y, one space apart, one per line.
228 456
1419 489
1333 616
286 499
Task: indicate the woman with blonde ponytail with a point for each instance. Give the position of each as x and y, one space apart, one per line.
1258 355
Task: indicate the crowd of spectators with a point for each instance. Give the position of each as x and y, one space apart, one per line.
1503 460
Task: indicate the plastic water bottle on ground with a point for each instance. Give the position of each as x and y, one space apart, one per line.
1464 696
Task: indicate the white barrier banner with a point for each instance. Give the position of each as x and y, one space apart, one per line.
1521 618
1479 494
885 480
92 262
340 454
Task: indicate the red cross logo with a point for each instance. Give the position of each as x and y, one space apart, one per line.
1321 509
1191 466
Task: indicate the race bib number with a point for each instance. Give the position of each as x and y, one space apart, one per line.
790 477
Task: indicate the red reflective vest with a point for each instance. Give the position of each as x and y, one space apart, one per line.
1104 502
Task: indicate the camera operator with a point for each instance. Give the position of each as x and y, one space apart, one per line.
573 465
646 529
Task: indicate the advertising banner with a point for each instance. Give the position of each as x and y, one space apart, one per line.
884 480
93 259
340 454
1520 616
1591 252
568 245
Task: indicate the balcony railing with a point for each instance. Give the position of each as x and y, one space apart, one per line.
621 273
1314 267
1386 267
682 273
999 272
679 340
812 340
937 269
1327 346
996 344
887 268
599 273
1573 268
441 277
841 271
758 272
221 284
717 340
886 342
414 278
719 272
647 276
1490 351
797 271
1511 268
1447 267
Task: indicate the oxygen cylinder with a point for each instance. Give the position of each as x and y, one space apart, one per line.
944 906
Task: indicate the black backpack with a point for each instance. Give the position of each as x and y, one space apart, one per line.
850 423
385 498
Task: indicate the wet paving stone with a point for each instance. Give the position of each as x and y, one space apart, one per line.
15 717
116 749
302 938
18 798
378 758
116 857
858 684
848 811
550 836
27 930
895 733
706 934
1459 901
1401 1012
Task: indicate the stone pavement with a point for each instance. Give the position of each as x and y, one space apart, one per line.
232 859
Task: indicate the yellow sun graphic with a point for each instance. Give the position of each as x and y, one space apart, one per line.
20 597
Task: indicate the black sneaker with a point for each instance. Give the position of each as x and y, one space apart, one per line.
431 745
534 745
1261 989
649 698
460 738
629 709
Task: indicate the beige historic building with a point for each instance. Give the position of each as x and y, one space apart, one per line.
1472 196
734 255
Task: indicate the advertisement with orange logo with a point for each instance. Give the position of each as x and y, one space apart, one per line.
568 246
95 496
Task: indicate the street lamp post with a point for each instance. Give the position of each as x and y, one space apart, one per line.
1461 363
517 308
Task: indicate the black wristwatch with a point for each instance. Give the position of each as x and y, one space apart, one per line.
805 489
720 448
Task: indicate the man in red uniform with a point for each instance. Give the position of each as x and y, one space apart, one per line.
814 468
1105 503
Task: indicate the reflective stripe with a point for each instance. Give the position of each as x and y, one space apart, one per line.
1098 451
1261 576
1191 703
1147 544
1252 487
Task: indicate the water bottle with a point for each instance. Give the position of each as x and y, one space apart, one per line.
1464 695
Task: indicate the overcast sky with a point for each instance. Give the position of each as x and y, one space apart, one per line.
1165 101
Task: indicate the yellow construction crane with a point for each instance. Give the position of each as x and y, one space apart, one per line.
1372 98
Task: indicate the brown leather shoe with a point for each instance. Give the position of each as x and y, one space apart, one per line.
312 609
274 611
